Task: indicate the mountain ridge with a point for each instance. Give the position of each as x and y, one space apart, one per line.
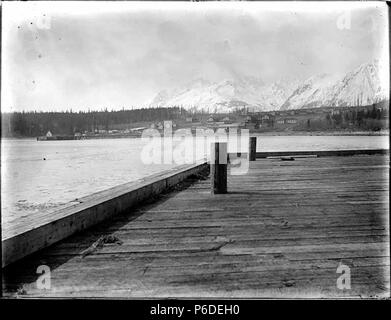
361 86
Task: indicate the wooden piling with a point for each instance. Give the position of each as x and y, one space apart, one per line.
253 149
218 167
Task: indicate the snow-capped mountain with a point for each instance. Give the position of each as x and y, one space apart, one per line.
361 86
227 95
313 92
277 92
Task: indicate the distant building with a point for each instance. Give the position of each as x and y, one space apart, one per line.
210 119
291 120
287 121
49 134
227 120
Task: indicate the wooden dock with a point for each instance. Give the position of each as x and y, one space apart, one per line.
27 236
282 230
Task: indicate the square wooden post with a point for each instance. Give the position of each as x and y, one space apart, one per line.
218 167
253 149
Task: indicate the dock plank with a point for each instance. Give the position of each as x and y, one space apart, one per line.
281 231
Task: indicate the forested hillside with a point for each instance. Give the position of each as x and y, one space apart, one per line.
32 124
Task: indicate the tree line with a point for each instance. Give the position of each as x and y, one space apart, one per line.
370 119
32 124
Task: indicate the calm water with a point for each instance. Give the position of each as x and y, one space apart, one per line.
73 169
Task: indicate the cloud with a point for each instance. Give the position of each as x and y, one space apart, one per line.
118 55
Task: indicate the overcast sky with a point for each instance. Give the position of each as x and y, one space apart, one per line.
84 56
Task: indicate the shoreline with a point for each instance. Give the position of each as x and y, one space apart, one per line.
257 134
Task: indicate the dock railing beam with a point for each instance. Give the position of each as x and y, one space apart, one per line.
218 167
253 149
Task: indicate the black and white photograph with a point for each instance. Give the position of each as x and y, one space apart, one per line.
195 150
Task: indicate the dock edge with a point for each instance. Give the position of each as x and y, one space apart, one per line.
85 215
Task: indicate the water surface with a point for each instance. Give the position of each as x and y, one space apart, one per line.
40 176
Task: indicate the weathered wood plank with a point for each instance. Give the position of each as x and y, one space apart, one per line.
331 153
280 231
28 238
